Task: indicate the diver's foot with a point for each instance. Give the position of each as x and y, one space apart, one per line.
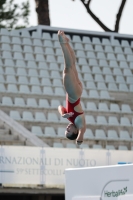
62 37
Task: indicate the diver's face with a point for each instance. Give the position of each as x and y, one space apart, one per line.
71 129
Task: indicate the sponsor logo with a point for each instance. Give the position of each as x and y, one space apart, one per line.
115 193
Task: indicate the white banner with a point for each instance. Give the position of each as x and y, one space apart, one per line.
20 165
35 165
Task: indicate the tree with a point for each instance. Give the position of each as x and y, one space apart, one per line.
12 14
42 9
87 3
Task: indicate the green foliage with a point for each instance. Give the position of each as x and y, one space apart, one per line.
12 15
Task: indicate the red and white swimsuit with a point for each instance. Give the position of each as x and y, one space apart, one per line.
70 108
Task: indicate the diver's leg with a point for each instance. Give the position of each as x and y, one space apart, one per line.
71 82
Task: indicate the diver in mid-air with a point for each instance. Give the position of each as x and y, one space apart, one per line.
73 86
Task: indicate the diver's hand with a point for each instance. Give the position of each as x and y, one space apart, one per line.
67 115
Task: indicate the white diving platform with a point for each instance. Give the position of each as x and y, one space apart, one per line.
100 183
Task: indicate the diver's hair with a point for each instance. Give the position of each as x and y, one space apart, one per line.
72 136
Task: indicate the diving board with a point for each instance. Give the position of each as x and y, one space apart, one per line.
99 183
